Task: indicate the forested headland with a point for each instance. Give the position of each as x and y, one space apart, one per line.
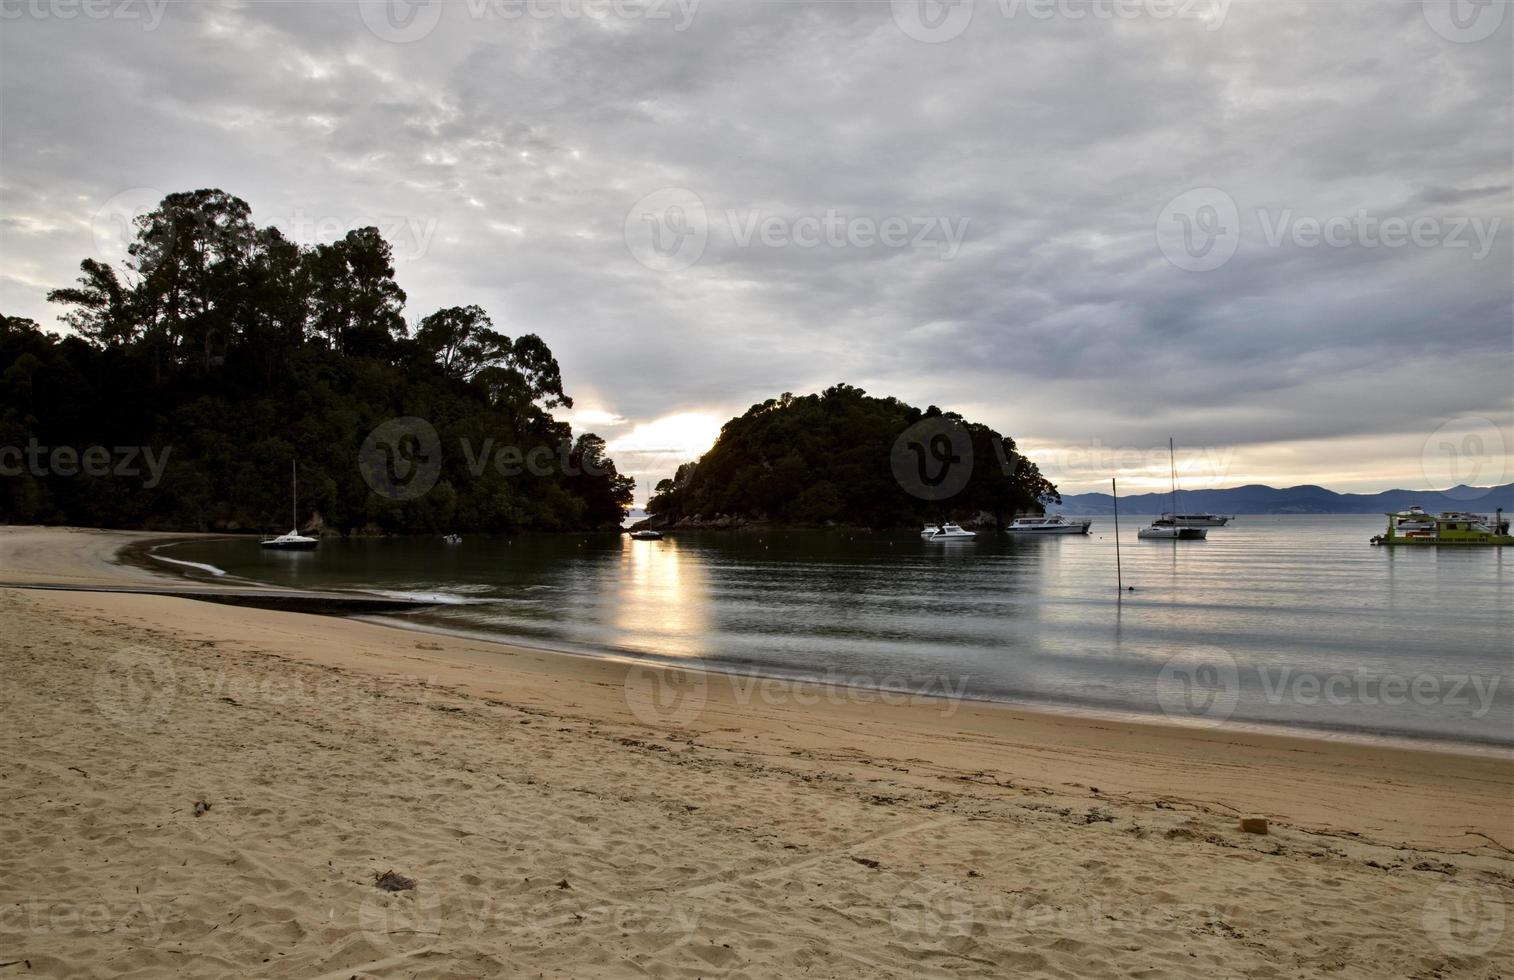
220 352
845 457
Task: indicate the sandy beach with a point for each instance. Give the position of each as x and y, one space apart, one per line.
207 790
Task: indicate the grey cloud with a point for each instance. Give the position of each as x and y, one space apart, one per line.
525 143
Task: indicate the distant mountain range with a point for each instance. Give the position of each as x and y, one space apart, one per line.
1258 499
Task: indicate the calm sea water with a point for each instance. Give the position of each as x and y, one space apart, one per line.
1293 621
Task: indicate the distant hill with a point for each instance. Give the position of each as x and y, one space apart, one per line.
1258 499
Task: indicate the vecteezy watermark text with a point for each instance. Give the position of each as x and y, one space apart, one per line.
402 459
1202 229
148 12
936 21
541 460
668 230
666 696
1206 684
96 461
138 687
1092 460
406 21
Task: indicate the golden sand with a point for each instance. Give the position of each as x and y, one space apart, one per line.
569 817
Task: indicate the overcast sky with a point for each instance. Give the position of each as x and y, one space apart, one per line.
1279 232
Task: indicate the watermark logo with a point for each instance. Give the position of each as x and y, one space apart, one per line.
932 911
402 458
1463 919
666 697
1199 230
932 21
1202 684
403 920
401 21
1464 457
933 459
667 230
1464 21
114 226
135 687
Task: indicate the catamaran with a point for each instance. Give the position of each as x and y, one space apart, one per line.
1165 528
1050 524
294 540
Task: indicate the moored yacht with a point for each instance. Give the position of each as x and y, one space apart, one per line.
1166 527
1196 520
1049 524
1172 532
946 532
294 540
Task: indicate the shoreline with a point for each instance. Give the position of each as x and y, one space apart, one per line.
499 654
1356 737
140 553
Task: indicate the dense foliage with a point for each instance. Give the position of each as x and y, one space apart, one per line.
830 458
226 351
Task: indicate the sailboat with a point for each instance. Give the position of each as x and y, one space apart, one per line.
1167 528
294 540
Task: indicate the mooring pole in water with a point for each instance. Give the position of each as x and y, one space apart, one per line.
1119 576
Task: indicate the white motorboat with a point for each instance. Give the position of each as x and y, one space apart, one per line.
1196 520
294 540
1166 528
946 532
646 535
1172 532
1051 524
1414 519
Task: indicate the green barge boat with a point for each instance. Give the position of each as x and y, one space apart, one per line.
1454 528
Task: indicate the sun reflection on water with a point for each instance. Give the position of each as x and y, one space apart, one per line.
662 601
